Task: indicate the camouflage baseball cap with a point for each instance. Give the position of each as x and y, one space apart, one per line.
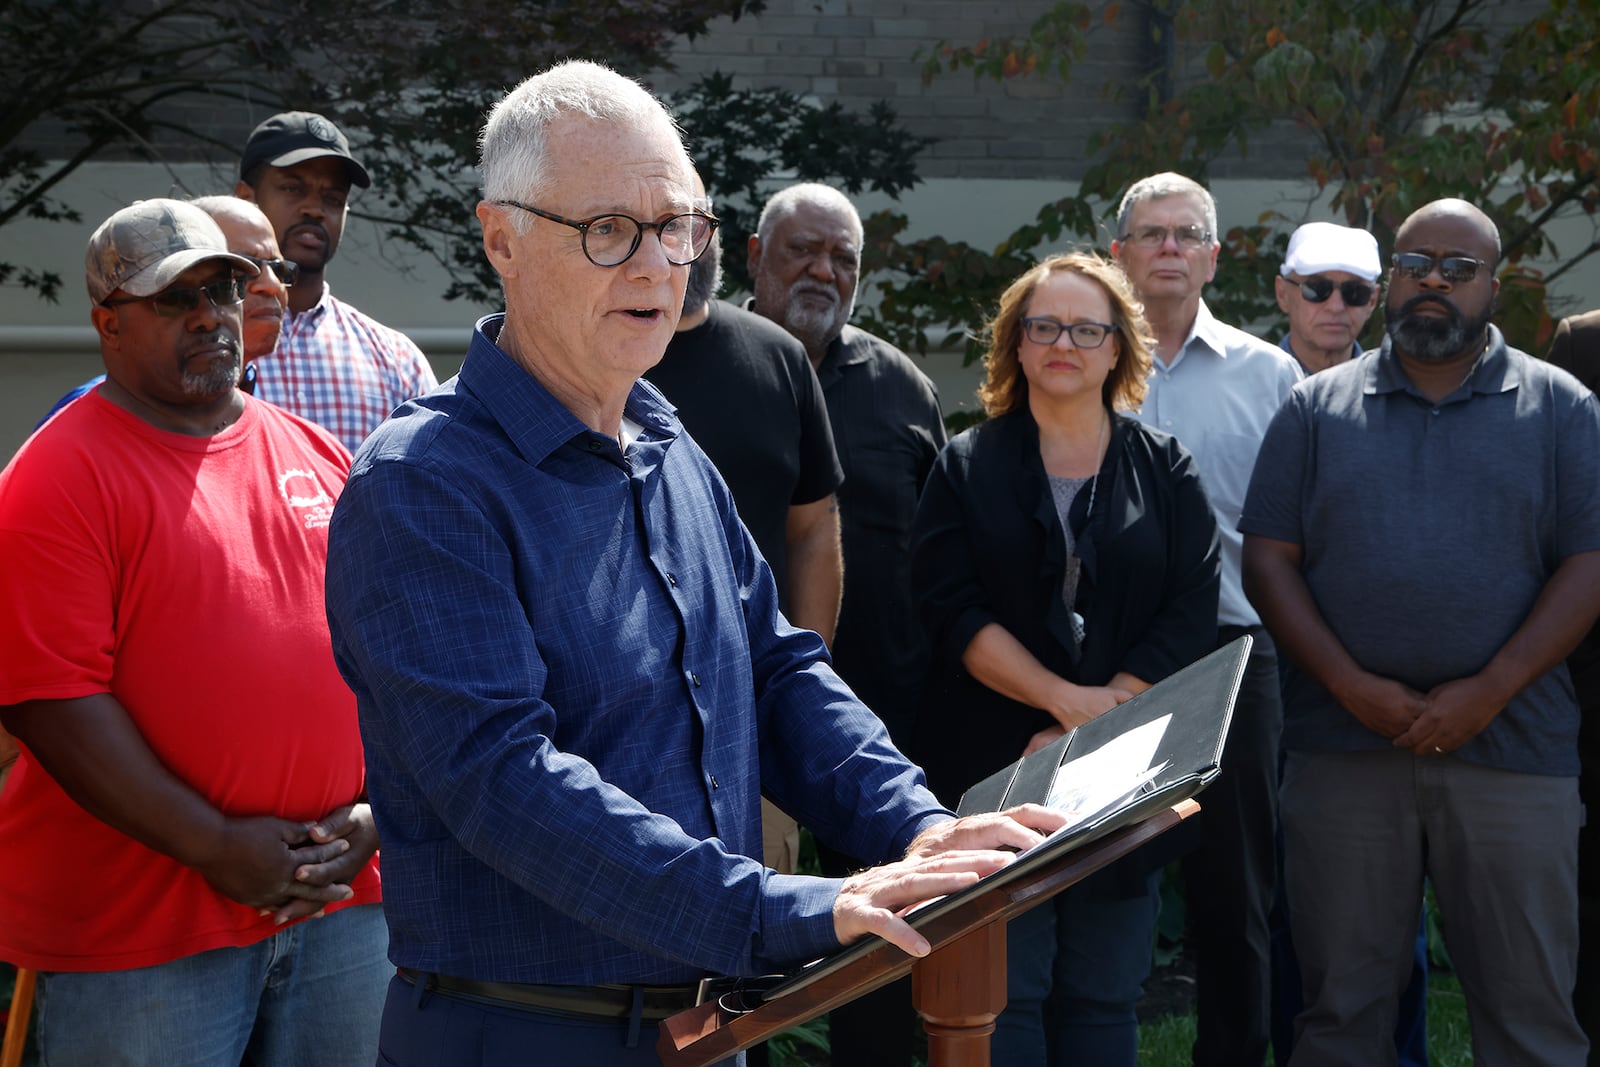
144 247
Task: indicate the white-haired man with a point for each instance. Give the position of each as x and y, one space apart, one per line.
805 263
573 680
1216 388
1328 286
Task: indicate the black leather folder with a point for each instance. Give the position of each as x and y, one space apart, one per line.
1182 723
1197 704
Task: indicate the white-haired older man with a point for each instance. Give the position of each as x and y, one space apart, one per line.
1216 388
805 262
573 680
1328 286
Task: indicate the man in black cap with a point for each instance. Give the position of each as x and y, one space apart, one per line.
334 365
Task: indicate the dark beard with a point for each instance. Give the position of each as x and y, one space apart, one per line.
705 276
1434 340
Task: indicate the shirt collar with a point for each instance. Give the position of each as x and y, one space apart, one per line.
315 311
530 415
1493 373
845 350
1355 350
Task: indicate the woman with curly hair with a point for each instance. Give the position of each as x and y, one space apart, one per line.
1064 559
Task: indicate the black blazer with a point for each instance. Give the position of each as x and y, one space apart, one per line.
987 546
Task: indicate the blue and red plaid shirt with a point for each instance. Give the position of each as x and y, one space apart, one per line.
342 370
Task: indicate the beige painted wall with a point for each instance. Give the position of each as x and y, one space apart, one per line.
46 349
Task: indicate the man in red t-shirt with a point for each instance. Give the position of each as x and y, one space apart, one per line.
191 782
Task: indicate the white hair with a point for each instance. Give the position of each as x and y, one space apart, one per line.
784 202
512 157
1161 186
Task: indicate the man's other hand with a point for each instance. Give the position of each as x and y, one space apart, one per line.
942 860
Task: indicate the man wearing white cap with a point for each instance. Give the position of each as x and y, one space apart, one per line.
1328 288
191 783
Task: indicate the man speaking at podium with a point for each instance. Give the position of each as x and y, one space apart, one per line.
573 680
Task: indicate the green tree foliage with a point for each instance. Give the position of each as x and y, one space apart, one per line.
1396 104
408 80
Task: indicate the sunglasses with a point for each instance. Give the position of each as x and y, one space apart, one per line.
286 271
171 303
1355 294
1419 265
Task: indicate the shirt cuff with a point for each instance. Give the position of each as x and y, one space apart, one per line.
797 920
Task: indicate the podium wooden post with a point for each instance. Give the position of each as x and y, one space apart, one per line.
958 989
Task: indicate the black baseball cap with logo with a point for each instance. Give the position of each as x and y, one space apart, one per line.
294 137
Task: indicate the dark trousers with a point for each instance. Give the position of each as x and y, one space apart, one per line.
1229 882
1586 995
426 1028
876 1030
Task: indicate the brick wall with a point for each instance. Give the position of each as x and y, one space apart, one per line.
860 51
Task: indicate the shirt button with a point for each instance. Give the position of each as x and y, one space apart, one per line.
695 678
713 780
672 580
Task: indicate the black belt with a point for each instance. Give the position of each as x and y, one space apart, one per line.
581 1001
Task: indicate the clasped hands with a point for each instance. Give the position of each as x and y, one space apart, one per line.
288 869
1428 724
942 860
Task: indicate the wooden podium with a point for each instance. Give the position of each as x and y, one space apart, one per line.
958 989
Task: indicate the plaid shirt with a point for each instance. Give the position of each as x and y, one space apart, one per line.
342 370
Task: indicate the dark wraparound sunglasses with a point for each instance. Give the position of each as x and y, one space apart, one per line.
171 303
1355 294
286 271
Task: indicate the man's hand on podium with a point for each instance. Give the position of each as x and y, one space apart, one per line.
942 860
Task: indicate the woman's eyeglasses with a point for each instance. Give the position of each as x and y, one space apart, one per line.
1083 334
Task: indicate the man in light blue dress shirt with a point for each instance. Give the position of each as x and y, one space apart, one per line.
1216 388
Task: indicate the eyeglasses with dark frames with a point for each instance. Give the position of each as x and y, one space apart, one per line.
1453 269
1083 334
1356 294
286 270
611 240
171 303
1190 236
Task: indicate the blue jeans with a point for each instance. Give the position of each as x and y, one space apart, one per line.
1075 969
310 993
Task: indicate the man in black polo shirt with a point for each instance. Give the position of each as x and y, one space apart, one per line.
805 259
748 396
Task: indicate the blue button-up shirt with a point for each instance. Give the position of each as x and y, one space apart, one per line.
573 683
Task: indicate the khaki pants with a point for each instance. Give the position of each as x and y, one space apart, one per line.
780 839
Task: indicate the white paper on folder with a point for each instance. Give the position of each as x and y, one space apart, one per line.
1096 781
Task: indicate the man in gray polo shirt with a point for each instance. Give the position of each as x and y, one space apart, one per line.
1422 537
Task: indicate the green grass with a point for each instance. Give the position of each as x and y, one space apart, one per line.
1165 1042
